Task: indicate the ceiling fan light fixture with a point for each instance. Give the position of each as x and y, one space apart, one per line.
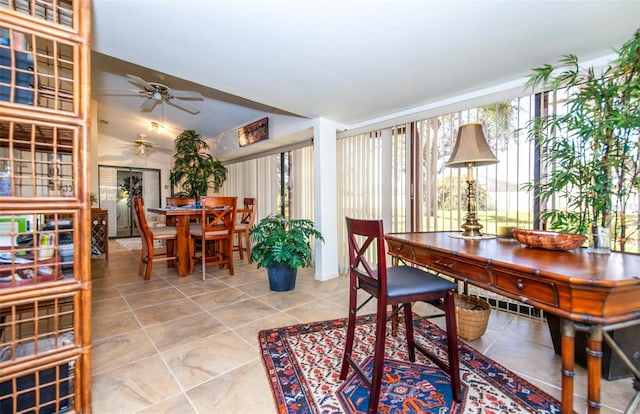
157 96
140 149
159 127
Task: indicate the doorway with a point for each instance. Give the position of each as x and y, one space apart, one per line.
117 187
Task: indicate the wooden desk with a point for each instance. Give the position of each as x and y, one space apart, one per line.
183 218
593 292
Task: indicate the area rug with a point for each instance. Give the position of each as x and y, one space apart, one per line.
303 366
134 243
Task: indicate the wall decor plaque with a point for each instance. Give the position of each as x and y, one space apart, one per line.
253 132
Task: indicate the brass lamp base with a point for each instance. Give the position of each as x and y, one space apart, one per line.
471 229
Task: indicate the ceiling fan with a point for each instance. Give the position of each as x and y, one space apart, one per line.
142 146
157 93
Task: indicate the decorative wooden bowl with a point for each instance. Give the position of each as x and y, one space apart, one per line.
548 239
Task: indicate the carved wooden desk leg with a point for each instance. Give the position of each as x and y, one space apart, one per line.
594 368
568 361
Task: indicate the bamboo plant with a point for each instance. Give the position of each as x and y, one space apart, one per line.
590 154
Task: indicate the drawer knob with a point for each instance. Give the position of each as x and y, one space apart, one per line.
520 285
447 265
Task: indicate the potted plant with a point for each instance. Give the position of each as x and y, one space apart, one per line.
589 154
282 246
194 168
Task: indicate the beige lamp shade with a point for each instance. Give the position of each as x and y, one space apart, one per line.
471 148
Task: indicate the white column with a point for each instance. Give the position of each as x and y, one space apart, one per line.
326 204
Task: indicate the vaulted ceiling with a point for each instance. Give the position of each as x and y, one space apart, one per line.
350 61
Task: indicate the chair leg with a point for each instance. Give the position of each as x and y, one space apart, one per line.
229 245
240 249
246 238
150 254
452 345
203 257
378 357
351 326
408 323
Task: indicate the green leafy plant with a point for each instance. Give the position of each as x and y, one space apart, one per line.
278 240
195 169
131 187
590 154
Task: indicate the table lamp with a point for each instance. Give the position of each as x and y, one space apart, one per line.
471 150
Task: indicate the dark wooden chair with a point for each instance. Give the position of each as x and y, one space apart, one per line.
396 285
215 233
148 236
247 216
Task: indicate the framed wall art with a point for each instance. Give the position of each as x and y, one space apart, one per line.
253 132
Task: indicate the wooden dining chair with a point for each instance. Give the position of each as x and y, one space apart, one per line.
246 217
180 202
393 286
215 233
148 236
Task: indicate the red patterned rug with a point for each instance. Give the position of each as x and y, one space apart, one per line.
303 366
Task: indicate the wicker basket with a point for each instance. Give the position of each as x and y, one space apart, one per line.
472 317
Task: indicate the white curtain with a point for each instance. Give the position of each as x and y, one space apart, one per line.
254 178
301 183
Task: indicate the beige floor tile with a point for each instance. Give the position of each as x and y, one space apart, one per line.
184 330
288 300
319 310
109 306
245 390
133 387
103 291
240 313
256 288
143 286
220 298
207 358
115 324
177 404
249 332
121 350
167 311
200 287
153 297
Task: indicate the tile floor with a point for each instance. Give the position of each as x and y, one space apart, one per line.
181 345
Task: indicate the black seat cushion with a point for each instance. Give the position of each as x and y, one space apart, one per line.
407 280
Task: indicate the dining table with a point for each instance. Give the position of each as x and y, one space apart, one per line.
183 216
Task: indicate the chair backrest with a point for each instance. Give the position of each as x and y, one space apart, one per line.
181 201
141 221
367 253
248 214
218 214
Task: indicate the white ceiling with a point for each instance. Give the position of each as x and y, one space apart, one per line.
350 61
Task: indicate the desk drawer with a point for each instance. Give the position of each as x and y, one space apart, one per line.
527 288
454 266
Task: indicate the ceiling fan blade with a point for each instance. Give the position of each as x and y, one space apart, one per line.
190 95
140 83
121 92
180 105
148 105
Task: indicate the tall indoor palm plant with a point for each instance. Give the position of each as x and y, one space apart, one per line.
590 155
194 168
